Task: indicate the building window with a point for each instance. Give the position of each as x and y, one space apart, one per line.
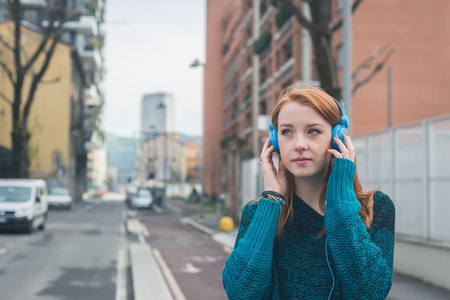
262 108
340 56
340 5
287 50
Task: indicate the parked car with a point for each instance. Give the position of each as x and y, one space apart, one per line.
60 197
23 204
142 198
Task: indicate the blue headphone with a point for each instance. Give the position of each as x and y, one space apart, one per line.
338 130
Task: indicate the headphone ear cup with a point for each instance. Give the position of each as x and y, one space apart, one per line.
338 130
273 137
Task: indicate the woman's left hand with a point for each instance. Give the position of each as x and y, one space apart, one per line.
347 150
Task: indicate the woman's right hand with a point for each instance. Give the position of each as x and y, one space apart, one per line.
273 180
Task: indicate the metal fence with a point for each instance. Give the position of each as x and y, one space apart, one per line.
411 164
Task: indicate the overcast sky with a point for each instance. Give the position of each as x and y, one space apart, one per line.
149 45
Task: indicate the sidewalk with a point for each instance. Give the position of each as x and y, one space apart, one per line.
403 287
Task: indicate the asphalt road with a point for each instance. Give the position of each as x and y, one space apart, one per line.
194 259
75 257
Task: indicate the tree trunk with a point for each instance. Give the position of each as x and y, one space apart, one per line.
20 138
326 66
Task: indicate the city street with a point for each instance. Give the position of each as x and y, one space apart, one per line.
195 260
75 257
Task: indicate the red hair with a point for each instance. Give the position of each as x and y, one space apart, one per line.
327 107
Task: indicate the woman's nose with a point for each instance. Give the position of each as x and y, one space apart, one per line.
301 143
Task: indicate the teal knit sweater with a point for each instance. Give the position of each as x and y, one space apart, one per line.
294 266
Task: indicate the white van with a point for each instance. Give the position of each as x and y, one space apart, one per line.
23 204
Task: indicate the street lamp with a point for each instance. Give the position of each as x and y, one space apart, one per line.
195 64
162 107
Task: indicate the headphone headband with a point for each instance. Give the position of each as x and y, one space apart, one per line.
344 119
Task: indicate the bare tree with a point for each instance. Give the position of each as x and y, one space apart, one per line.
28 67
321 29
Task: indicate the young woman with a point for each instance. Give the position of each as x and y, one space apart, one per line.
314 233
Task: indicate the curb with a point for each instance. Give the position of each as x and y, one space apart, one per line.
198 226
148 282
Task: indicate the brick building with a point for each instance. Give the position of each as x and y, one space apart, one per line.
241 88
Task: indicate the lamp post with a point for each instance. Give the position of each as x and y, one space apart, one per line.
152 154
196 64
162 107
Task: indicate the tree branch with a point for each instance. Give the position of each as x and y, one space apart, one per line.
6 44
50 81
8 72
367 63
37 79
299 15
338 25
3 96
374 71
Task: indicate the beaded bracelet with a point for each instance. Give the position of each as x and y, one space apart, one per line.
273 196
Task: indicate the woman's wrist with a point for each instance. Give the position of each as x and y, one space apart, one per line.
272 195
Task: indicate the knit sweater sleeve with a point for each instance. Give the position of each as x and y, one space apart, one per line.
363 261
247 273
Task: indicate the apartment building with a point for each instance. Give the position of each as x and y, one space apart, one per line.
56 145
161 159
254 50
73 101
249 62
193 155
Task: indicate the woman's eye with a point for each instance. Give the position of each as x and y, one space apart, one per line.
313 131
285 132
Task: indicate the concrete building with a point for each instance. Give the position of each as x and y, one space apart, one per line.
97 167
56 146
121 154
155 118
74 101
161 160
194 159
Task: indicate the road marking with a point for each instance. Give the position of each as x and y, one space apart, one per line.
175 208
121 281
141 239
171 282
144 230
227 249
190 268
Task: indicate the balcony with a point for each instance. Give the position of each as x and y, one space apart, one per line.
85 24
243 25
248 131
285 69
265 17
284 30
265 85
247 46
246 75
33 3
91 54
92 96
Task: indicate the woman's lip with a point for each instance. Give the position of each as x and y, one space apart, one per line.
301 161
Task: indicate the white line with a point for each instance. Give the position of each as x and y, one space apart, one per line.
175 208
121 281
141 239
227 249
173 285
144 230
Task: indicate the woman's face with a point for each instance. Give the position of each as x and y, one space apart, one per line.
304 137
